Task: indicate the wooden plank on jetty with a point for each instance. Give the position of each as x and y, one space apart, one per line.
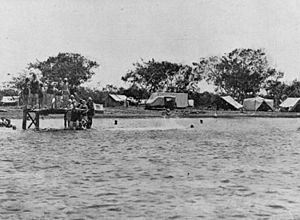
34 116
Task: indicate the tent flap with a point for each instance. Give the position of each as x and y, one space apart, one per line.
232 102
290 103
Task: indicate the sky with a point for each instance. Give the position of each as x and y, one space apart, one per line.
118 33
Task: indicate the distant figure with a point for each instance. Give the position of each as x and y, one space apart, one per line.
5 122
65 92
58 95
90 113
34 90
74 117
41 96
84 110
68 114
26 92
50 95
74 102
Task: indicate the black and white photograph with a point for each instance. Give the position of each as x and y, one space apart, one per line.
149 109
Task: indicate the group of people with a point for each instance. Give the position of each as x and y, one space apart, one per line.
36 94
80 114
57 95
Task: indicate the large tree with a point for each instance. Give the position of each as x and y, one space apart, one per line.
75 67
154 76
274 87
240 73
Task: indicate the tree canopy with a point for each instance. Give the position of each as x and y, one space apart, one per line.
73 66
240 73
154 76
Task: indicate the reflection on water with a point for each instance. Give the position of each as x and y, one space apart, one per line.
153 169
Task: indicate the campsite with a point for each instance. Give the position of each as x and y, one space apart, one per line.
150 110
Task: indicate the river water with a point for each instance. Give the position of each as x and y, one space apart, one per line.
247 168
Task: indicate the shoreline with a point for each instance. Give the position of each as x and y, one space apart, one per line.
140 112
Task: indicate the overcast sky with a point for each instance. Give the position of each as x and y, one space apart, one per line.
116 33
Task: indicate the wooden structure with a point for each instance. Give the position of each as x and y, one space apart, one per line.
33 115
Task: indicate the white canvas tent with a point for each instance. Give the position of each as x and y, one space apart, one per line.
181 99
232 102
258 104
291 104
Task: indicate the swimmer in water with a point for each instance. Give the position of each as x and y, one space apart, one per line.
5 122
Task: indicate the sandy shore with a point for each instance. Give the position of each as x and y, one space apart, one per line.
140 112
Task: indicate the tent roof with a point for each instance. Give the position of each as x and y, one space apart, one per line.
257 98
150 100
118 98
10 99
258 101
232 102
289 102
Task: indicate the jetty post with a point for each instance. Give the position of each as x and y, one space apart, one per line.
33 116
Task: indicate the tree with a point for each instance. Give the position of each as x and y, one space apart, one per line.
17 81
274 87
73 66
293 89
240 73
154 76
111 89
136 92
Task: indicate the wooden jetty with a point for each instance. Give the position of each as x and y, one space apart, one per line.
33 115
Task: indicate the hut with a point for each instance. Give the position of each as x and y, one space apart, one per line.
291 105
258 104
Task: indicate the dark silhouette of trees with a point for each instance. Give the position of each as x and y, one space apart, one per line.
240 73
73 66
154 76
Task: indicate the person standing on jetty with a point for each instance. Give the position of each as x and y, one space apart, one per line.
90 113
25 92
34 90
58 94
41 96
65 92
67 116
50 94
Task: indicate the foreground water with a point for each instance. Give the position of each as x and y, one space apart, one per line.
153 169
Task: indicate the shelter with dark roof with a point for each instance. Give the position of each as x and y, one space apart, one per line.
113 100
291 105
258 104
227 103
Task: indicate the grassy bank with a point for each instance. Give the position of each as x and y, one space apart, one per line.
140 112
